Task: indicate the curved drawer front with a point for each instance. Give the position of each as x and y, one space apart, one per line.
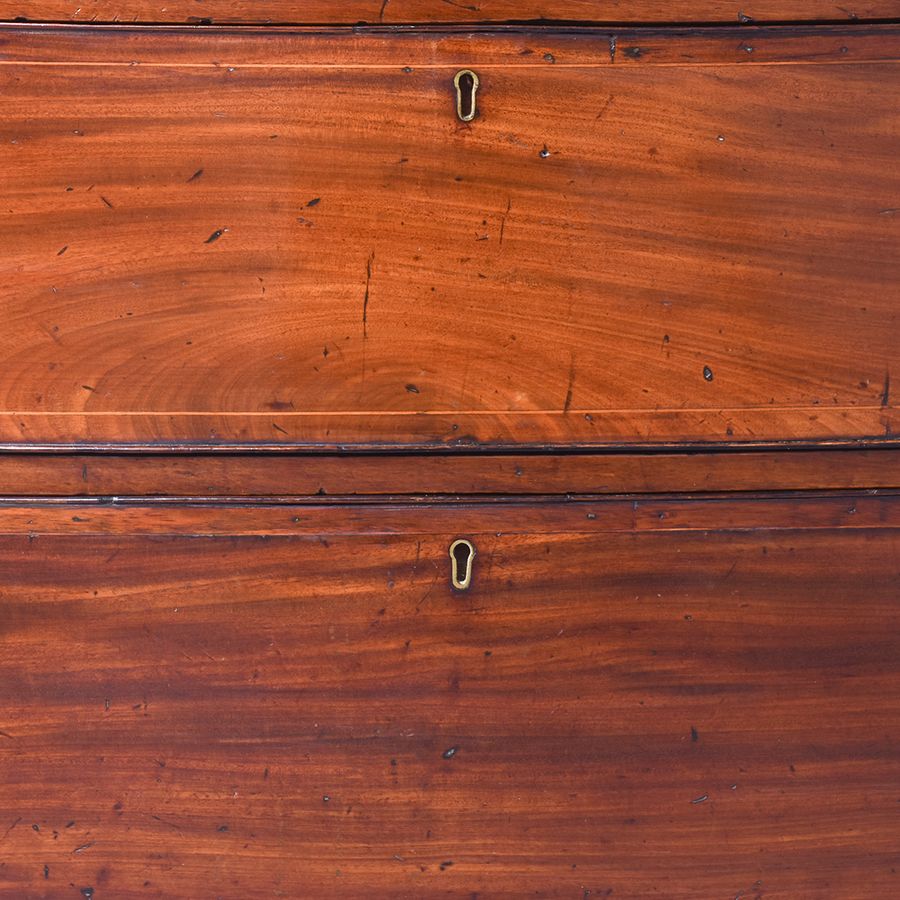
290 238
662 698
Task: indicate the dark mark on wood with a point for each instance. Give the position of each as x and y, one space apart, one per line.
365 316
215 235
695 735
449 754
708 373
60 253
195 176
568 402
503 219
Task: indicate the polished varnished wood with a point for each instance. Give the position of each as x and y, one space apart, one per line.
352 12
286 237
158 516
280 476
220 711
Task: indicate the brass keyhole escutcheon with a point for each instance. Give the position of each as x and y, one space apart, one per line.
466 83
462 553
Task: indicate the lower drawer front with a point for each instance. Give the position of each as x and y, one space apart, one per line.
671 698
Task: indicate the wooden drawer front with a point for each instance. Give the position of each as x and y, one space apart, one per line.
352 12
289 238
666 698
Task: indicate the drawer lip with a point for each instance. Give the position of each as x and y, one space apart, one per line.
350 13
548 431
789 511
371 477
490 46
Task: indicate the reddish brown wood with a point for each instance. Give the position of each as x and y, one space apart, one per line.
351 12
311 518
107 475
707 253
707 713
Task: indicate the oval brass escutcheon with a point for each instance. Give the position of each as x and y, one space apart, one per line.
466 83
462 553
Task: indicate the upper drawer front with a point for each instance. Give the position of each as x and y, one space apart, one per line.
290 237
351 12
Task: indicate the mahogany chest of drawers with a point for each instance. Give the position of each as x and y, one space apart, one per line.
448 449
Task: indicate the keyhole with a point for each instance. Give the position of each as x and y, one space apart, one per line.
466 83
461 555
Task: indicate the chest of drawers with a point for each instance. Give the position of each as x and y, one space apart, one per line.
449 450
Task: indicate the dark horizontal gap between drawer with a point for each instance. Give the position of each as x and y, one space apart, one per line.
201 24
455 449
426 501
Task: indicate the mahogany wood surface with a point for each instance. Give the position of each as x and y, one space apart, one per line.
286 237
351 12
201 706
221 475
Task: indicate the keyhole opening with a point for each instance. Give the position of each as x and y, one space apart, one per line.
466 83
462 553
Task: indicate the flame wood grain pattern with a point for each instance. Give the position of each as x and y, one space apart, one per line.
209 706
286 237
278 329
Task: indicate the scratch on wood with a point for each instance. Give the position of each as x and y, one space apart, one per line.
461 5
613 42
8 830
886 393
365 315
169 824
606 106
503 219
568 404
